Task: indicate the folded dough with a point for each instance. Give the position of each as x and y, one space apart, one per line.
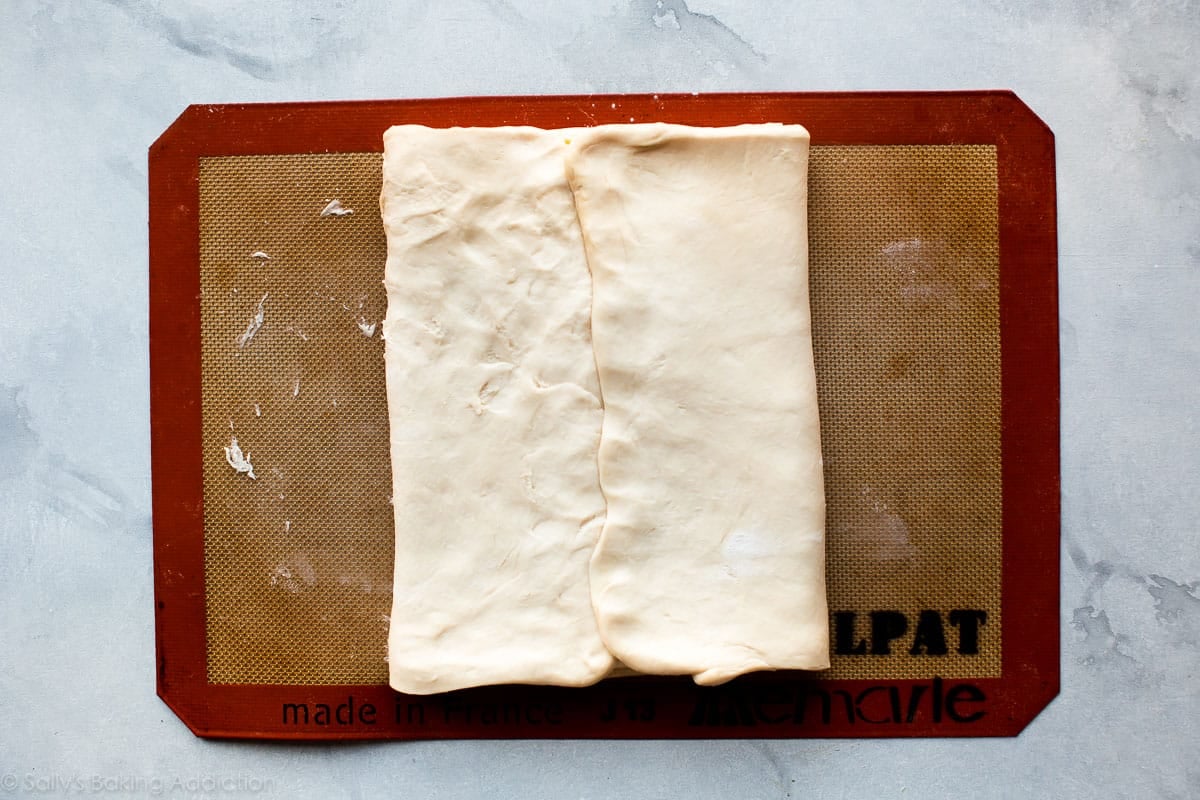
494 410
711 562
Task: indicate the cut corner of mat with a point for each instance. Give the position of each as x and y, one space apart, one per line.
942 542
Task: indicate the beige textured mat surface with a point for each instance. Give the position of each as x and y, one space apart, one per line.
904 262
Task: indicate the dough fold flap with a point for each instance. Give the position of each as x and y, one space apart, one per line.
711 562
494 413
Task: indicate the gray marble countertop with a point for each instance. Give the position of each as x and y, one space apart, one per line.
87 86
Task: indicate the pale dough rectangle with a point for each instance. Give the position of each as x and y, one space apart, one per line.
494 411
711 561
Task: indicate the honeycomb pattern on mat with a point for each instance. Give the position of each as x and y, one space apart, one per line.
904 265
298 561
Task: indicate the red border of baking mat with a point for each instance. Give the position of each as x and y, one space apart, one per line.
776 705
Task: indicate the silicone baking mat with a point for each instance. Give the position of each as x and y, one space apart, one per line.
933 292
